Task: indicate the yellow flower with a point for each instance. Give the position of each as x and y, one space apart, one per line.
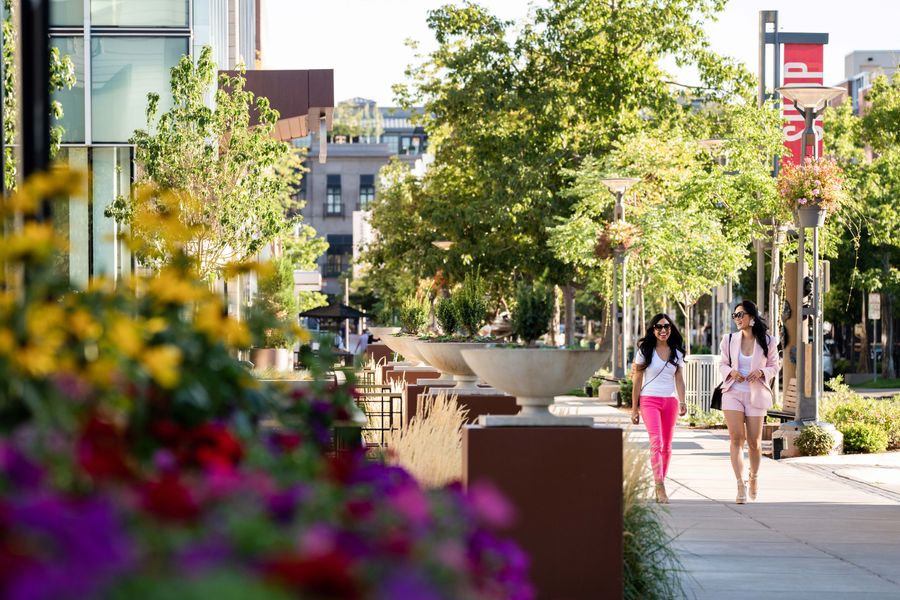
83 326
302 333
33 240
35 360
100 372
211 321
126 336
155 325
162 363
169 288
8 343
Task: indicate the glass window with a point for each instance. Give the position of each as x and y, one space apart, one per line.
333 203
366 191
338 255
139 13
67 13
392 141
72 100
123 71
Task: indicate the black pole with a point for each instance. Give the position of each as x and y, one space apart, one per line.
35 128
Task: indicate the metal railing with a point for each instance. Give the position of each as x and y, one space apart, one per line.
701 376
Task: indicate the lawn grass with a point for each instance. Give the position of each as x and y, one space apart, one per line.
879 384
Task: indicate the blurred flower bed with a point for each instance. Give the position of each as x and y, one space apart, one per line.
140 459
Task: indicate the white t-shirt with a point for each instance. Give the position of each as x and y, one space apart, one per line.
659 377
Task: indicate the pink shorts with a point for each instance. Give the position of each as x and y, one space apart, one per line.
740 401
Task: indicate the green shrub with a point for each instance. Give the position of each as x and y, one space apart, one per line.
445 313
815 441
471 304
864 438
414 315
703 419
532 313
625 389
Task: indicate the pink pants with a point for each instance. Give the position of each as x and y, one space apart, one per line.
659 416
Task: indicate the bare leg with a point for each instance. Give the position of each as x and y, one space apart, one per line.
734 419
754 442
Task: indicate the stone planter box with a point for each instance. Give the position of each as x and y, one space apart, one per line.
277 359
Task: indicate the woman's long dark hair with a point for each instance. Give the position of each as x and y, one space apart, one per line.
760 327
647 343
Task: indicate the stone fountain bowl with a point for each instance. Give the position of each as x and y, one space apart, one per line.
533 375
383 332
447 358
404 346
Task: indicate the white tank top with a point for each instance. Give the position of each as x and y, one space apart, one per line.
744 363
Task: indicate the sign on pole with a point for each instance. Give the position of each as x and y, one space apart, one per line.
802 66
874 306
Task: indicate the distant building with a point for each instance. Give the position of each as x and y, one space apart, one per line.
860 69
340 192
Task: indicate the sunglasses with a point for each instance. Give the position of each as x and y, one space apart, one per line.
665 327
738 315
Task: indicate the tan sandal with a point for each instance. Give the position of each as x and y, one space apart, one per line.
754 486
742 492
661 496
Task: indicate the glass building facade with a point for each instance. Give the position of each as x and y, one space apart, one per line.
123 50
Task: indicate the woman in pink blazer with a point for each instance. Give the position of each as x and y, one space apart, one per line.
749 361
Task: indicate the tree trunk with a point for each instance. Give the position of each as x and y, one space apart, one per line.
569 301
887 321
642 308
554 322
863 340
686 311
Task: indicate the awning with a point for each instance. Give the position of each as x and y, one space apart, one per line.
334 311
303 97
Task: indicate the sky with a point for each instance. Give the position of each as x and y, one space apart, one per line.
363 40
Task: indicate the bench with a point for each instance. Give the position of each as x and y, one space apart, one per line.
789 402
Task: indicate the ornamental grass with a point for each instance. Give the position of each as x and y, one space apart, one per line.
430 446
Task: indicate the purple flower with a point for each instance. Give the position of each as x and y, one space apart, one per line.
22 472
83 547
203 556
802 200
490 506
407 585
282 505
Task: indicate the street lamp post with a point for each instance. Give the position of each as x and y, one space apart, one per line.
617 186
810 101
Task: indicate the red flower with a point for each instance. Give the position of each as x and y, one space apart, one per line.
102 452
167 431
213 447
168 498
326 575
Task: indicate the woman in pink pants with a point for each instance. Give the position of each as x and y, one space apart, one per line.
658 378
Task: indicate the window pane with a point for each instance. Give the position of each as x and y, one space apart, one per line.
124 70
67 12
72 100
139 13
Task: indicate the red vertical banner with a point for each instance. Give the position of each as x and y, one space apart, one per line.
803 65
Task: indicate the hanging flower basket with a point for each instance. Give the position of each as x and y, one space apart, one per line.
616 238
812 189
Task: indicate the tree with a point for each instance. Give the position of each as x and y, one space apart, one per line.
238 177
512 113
880 129
301 252
62 76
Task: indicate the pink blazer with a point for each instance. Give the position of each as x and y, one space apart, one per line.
761 395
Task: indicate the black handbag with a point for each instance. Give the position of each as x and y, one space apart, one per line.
716 402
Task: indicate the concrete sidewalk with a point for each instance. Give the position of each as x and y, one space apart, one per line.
812 534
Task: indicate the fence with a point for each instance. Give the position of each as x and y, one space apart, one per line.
701 376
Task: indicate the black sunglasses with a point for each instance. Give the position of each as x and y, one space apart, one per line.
664 327
738 315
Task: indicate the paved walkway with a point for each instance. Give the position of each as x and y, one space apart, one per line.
821 529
